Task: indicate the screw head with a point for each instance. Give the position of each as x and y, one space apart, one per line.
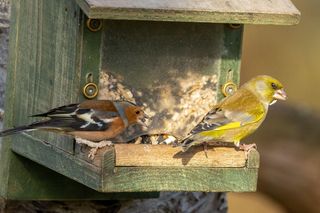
235 26
229 88
90 90
94 25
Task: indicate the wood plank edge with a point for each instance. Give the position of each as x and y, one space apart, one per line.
87 170
291 18
228 182
253 160
147 155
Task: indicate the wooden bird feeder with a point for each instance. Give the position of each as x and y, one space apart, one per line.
176 58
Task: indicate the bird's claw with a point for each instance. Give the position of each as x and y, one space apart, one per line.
205 149
92 153
101 144
247 147
94 146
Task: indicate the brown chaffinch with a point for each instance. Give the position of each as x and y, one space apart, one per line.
91 122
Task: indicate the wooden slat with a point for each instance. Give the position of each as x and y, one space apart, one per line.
231 11
44 61
35 182
107 177
167 156
90 59
131 179
58 160
231 58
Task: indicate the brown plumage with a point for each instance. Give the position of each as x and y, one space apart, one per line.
93 120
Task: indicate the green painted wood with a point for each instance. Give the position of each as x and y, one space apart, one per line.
44 72
45 62
91 55
253 159
160 50
231 57
40 60
59 188
109 178
281 12
58 160
32 181
5 143
5 159
130 179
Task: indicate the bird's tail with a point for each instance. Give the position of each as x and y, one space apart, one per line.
186 143
25 128
15 130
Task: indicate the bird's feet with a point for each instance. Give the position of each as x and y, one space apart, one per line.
247 147
94 146
93 150
205 149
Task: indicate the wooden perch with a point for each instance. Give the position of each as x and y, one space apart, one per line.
231 11
148 168
165 156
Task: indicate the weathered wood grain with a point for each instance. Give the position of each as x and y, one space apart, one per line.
91 56
57 160
166 156
253 160
130 179
231 57
110 177
281 12
29 180
44 61
44 72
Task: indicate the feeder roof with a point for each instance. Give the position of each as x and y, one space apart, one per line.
278 12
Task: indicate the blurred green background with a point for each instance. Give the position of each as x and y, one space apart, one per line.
291 54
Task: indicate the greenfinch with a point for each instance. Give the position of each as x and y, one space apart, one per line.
238 115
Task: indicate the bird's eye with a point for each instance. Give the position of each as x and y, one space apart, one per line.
137 112
274 86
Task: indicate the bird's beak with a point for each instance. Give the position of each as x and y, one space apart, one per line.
280 94
145 117
144 122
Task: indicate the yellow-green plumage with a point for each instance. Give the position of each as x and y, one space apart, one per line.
238 115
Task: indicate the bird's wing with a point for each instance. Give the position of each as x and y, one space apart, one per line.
91 116
63 111
223 118
235 111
